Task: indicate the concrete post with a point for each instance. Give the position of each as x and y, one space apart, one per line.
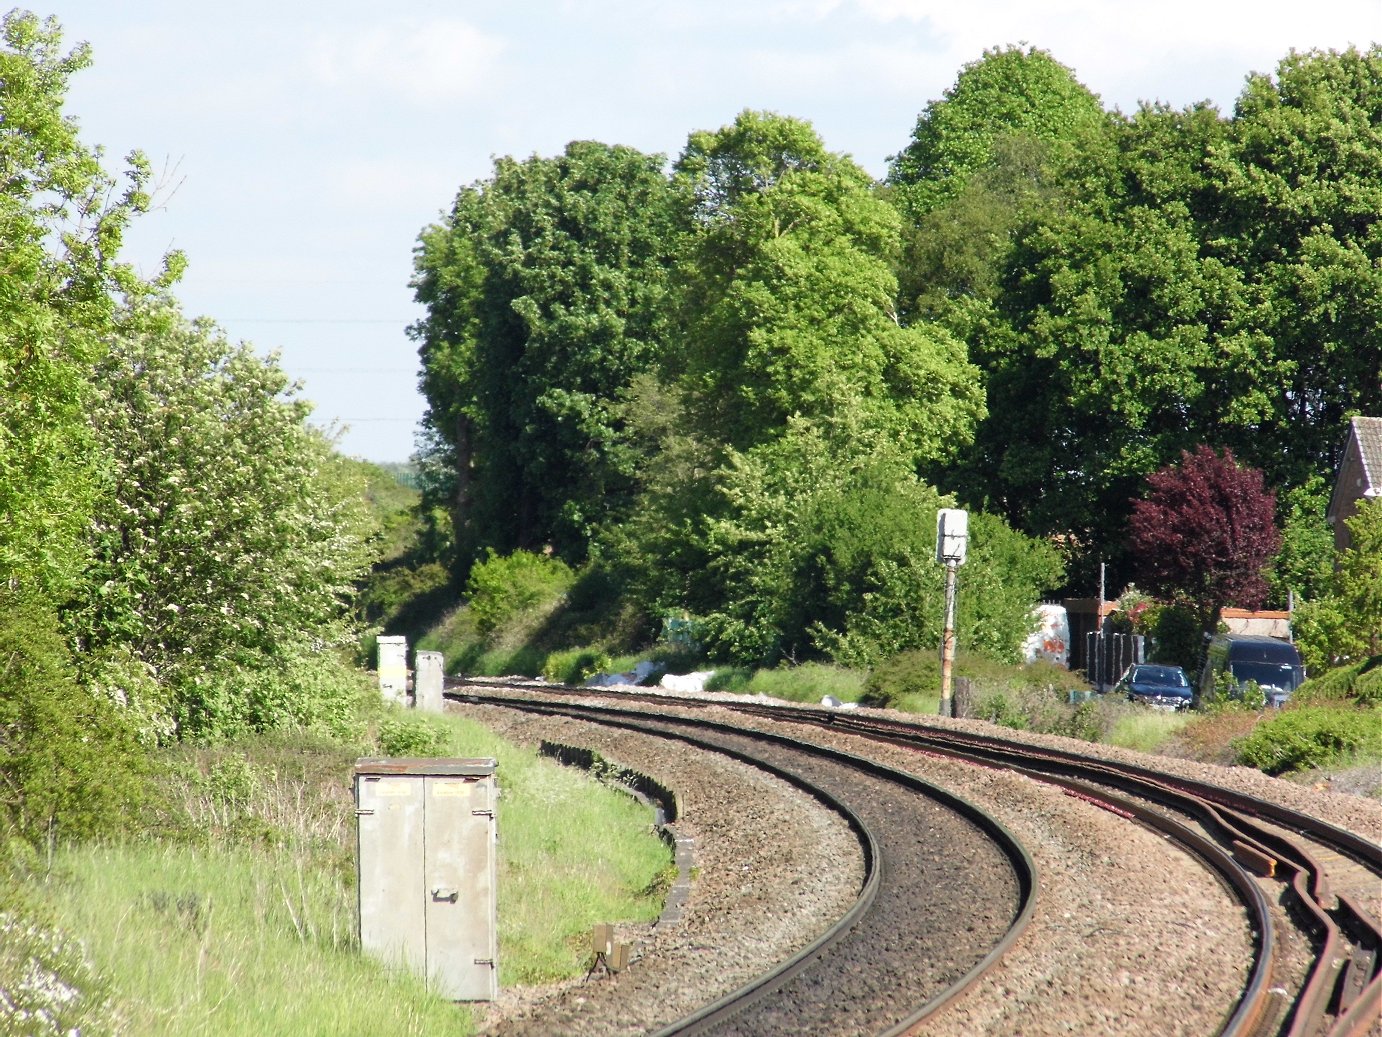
393 668
947 705
427 682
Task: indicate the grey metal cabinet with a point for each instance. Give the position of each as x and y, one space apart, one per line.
427 870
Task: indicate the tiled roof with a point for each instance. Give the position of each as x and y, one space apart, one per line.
1368 432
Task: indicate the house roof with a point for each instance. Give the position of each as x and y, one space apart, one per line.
1365 445
1368 433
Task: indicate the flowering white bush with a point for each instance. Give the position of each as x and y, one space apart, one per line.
229 533
46 985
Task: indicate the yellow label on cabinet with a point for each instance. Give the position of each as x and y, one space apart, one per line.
450 788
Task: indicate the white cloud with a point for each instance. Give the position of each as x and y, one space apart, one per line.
1179 51
444 59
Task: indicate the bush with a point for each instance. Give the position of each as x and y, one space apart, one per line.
907 673
1360 683
47 986
1227 695
501 589
1311 736
71 765
405 735
316 692
998 708
575 666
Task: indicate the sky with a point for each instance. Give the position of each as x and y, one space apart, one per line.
299 149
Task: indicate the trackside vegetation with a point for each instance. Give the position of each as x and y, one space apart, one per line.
236 915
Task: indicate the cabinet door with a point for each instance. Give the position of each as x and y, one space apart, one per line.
392 919
459 866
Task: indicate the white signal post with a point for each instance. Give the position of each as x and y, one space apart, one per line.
952 540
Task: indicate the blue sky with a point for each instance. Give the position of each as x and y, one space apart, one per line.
300 148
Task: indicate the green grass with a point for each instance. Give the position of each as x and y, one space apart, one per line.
242 918
1146 730
809 682
572 854
239 941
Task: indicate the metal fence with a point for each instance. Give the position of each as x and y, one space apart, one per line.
1108 655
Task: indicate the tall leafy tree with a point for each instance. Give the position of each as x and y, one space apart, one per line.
803 408
1112 329
1204 534
788 303
1297 192
1208 279
229 537
544 290
1010 92
62 217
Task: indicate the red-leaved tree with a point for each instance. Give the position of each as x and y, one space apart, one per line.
1204 533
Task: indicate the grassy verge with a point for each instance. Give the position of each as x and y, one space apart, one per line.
239 916
239 941
1146 730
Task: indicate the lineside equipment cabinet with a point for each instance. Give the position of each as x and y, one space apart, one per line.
427 870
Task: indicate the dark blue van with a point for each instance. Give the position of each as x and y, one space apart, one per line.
1272 663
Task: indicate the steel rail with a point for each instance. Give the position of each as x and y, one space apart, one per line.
1346 985
707 1018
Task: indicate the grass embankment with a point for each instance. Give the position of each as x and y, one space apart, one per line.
239 915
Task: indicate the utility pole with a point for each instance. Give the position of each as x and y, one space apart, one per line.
948 642
952 539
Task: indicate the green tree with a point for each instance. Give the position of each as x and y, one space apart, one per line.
62 217
1345 621
229 538
1304 566
1011 92
821 544
1298 191
69 762
1207 280
1112 330
544 290
788 302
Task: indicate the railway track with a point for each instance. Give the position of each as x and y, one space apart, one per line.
1260 851
1321 873
920 926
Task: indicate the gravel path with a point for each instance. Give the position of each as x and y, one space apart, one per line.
1127 938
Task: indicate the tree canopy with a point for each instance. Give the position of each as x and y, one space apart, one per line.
1343 621
788 309
1190 278
62 218
1009 92
544 290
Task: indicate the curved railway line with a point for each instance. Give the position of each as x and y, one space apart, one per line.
914 942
